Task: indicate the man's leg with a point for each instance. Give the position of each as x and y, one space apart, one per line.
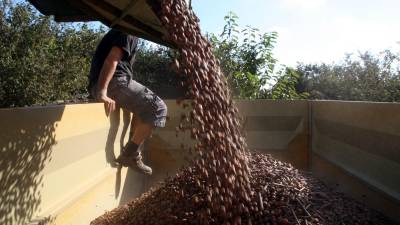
149 111
131 155
141 130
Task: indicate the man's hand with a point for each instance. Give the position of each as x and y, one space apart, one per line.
109 104
106 74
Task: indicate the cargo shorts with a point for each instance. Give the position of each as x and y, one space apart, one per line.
138 99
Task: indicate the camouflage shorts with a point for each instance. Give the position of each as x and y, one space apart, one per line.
138 99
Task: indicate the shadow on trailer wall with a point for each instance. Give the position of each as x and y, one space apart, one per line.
56 161
26 143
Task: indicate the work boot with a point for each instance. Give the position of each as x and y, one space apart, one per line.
134 162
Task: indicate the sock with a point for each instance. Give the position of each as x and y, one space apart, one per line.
130 148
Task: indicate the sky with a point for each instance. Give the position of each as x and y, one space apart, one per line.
312 31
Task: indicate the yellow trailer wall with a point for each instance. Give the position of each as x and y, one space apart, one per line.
53 162
356 148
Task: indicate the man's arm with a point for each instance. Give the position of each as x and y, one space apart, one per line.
106 74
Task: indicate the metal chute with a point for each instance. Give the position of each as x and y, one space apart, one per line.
137 17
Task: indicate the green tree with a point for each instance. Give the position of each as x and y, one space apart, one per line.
365 78
245 56
42 61
152 68
287 86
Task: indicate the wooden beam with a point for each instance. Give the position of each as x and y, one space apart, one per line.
131 4
131 20
142 30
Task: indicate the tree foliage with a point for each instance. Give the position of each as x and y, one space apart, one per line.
42 61
286 87
245 56
365 78
152 69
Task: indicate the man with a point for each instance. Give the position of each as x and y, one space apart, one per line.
111 81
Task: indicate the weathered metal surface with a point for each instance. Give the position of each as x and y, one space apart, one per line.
137 17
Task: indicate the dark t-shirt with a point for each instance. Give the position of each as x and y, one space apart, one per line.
127 43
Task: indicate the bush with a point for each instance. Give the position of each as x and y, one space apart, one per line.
42 61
